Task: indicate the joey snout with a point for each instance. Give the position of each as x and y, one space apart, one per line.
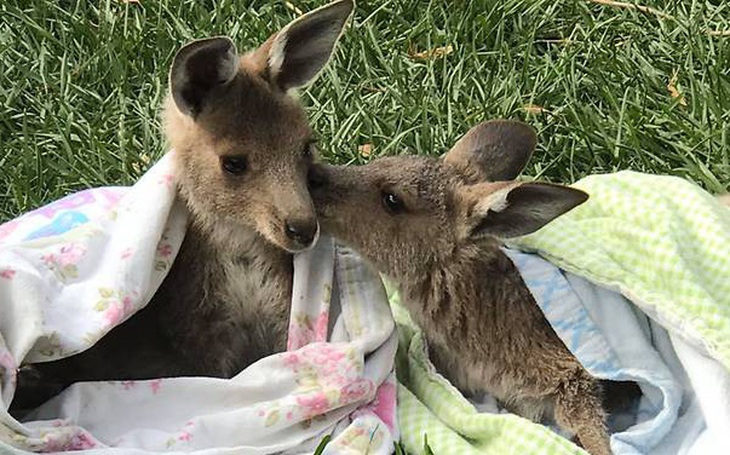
334 191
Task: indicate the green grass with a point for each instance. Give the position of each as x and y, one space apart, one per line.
81 84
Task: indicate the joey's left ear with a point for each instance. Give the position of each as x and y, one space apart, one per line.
507 210
496 150
198 69
299 51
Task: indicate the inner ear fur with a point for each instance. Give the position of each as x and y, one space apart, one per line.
513 209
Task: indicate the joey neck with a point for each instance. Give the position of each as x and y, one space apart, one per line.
227 239
463 275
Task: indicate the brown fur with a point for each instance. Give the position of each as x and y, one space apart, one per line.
484 330
225 301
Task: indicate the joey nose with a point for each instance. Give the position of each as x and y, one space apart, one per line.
302 232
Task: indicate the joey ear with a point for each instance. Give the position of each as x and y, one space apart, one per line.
513 210
198 68
301 49
495 150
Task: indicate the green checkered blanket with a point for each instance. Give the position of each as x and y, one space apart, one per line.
662 242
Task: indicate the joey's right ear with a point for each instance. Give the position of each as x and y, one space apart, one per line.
513 209
200 67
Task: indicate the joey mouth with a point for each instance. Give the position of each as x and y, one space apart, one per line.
330 213
326 190
293 236
296 236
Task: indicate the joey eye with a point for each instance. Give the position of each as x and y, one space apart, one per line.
393 203
235 165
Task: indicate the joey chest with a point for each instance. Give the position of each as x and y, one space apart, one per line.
224 308
485 331
253 290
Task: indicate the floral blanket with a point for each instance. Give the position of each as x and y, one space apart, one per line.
75 269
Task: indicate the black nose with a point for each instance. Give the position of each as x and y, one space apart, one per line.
302 231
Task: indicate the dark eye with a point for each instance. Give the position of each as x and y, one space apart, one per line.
393 203
235 165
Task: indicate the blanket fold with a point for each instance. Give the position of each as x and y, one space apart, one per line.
635 282
75 269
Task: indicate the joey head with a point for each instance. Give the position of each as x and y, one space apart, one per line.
242 151
434 225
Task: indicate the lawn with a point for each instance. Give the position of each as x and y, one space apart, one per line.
608 87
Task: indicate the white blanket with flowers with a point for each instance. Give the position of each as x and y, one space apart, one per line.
73 270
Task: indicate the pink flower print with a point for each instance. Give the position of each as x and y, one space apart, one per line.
7 274
115 305
313 404
163 255
326 358
7 228
70 255
166 179
384 404
127 304
127 385
114 314
185 436
301 331
291 360
320 326
81 441
164 250
126 254
298 337
64 263
52 443
155 386
7 363
356 390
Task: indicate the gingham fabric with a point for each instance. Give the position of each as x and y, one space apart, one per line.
431 411
662 242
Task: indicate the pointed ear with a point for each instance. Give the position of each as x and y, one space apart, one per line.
496 150
507 210
301 49
200 67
